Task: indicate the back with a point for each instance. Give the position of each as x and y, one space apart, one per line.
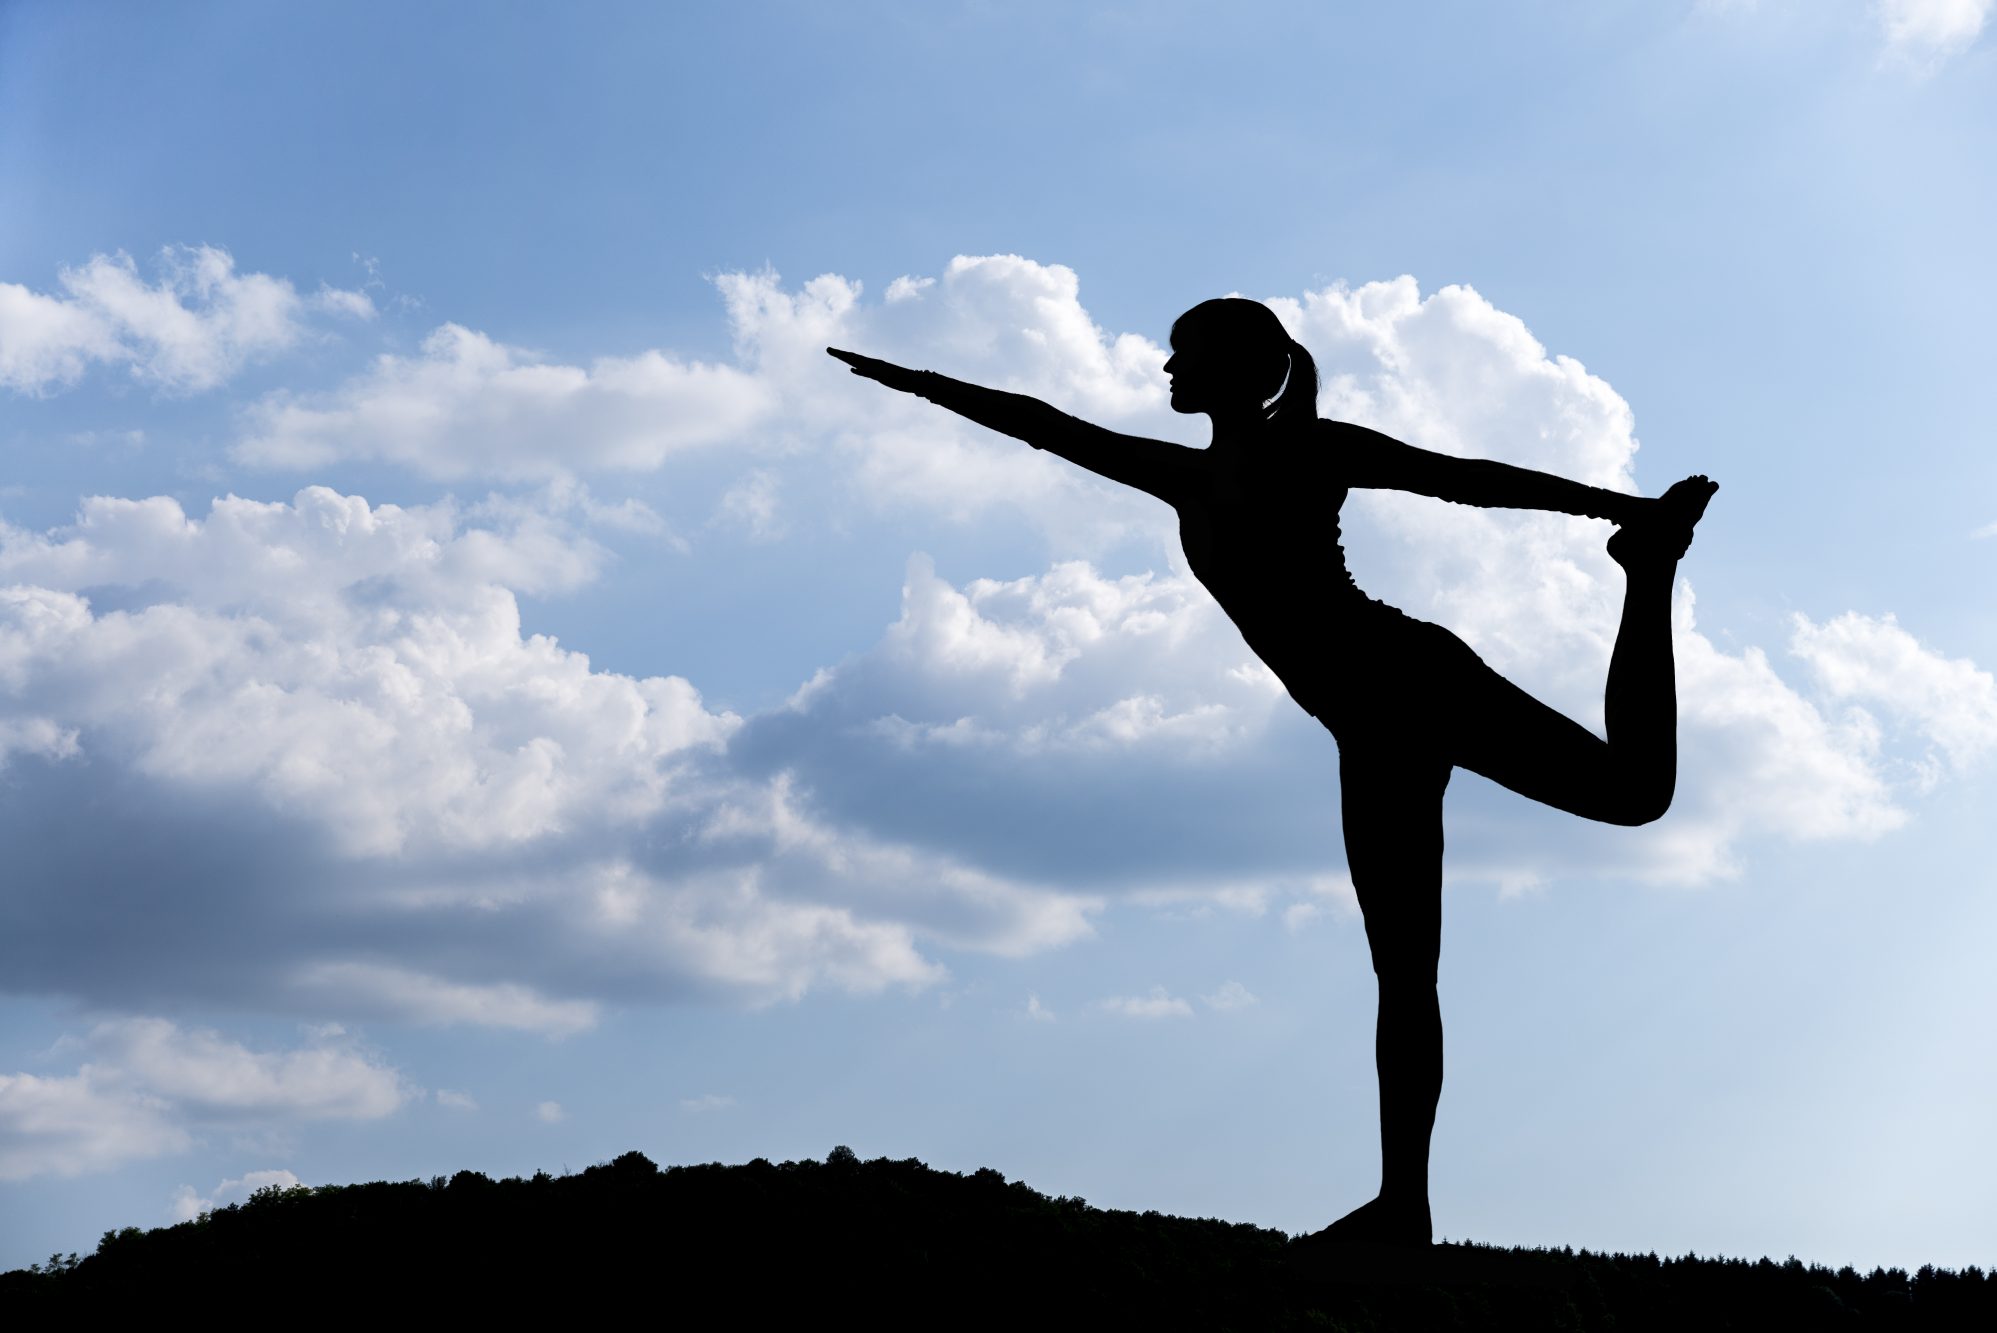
1259 526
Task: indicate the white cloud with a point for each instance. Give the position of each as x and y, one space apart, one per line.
753 504
188 1203
1037 1011
470 406
329 710
1068 660
550 1113
210 1077
1142 670
1085 705
360 665
1230 995
35 735
1157 1004
456 1101
354 305
937 893
413 997
1871 660
68 1125
1927 32
707 1101
196 325
148 1084
358 675
1536 595
1000 320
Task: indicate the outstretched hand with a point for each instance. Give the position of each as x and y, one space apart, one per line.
883 372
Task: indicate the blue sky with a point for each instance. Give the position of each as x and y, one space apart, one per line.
479 688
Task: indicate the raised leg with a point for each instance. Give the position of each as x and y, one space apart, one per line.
1517 741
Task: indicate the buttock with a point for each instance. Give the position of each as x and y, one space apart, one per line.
1389 678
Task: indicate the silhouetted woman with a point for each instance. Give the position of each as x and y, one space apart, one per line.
1407 700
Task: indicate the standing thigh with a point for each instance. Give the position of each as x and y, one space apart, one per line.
1391 791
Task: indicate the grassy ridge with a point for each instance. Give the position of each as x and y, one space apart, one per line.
893 1243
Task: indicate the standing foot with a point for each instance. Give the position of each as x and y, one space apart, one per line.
1665 532
1378 1222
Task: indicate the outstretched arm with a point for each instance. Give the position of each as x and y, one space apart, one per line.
1151 466
1374 461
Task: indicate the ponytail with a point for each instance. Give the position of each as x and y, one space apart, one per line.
1295 405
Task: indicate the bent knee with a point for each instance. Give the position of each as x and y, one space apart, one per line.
1641 805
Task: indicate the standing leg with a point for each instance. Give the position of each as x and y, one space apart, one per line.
1393 842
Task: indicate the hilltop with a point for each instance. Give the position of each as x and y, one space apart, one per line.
894 1243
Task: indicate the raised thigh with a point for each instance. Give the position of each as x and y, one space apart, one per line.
1503 733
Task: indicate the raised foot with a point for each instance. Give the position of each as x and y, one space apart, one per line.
1664 532
1376 1222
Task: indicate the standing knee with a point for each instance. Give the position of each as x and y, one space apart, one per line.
1404 971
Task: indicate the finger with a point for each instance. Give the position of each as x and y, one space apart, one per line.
872 368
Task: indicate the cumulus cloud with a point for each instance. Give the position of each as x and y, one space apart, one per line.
1080 702
147 1085
189 1203
193 326
1119 722
324 721
550 1113
466 405
363 664
213 1078
1927 32
1870 661
67 1125
1000 320
326 711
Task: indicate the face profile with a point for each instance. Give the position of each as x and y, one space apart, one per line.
1233 360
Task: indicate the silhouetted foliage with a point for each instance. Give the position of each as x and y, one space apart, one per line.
895 1244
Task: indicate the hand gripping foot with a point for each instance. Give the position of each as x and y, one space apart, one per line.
1664 532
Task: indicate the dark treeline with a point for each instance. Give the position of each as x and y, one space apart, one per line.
893 1243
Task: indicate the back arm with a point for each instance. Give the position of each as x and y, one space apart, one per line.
1368 459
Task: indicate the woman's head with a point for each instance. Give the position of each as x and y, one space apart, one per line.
1233 357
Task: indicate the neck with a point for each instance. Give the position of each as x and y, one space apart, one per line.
1237 426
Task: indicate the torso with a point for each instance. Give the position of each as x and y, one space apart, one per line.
1262 534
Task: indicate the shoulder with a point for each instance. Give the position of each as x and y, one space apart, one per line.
1352 435
1334 445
